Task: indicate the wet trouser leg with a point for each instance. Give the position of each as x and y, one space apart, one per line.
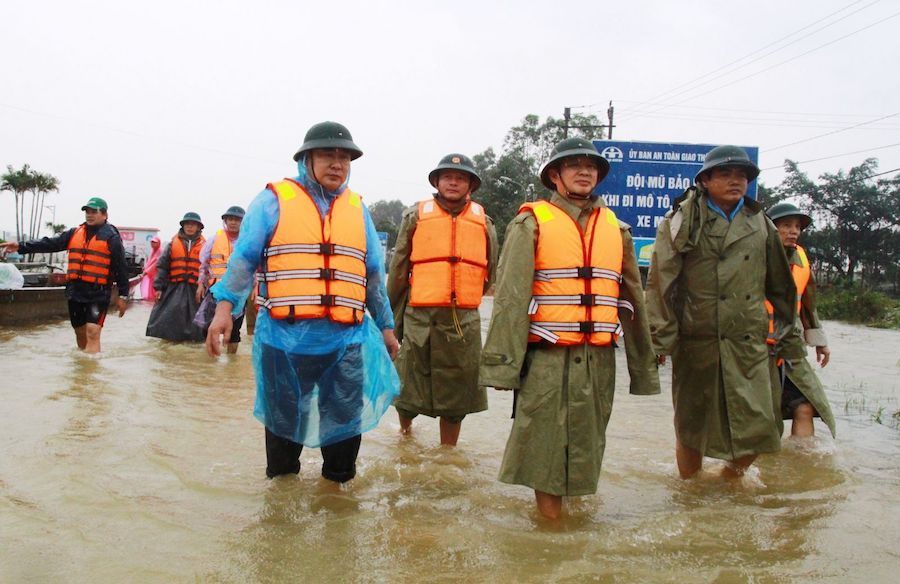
282 455
340 459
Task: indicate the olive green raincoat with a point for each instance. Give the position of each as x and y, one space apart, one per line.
800 372
438 368
706 289
565 394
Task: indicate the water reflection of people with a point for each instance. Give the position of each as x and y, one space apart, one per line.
802 395
96 262
323 376
715 261
148 273
556 345
178 273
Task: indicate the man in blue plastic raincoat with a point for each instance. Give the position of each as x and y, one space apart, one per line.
323 367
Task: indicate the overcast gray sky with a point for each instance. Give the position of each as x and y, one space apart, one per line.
166 107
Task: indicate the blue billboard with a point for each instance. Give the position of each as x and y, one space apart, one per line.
644 180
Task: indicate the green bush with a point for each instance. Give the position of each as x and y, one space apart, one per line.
852 304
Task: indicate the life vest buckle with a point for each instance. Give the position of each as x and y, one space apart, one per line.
326 273
326 248
587 300
585 272
454 259
586 327
328 300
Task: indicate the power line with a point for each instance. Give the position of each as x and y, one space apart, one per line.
828 133
836 155
692 84
777 123
794 58
752 111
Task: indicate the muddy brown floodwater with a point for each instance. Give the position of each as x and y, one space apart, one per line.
146 465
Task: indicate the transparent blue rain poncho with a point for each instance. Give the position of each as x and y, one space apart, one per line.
317 382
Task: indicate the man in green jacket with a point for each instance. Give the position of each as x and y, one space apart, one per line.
802 395
441 340
565 385
715 261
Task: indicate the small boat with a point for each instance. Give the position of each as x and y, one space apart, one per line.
43 298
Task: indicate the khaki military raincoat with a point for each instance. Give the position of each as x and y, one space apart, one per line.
565 394
800 372
438 368
706 289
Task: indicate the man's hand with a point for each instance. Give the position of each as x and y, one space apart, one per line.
391 343
219 327
504 388
661 359
10 247
158 294
823 355
122 305
201 291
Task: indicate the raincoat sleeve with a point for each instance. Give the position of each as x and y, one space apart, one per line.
665 269
398 278
47 244
813 333
204 259
782 293
161 281
256 230
639 351
118 266
376 294
507 338
493 253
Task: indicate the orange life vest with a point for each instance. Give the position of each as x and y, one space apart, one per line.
575 293
801 274
218 256
314 267
89 259
184 266
449 256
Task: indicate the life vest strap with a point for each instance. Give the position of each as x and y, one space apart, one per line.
545 330
584 273
312 274
578 300
87 251
314 300
316 248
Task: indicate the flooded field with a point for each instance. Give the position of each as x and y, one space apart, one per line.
146 465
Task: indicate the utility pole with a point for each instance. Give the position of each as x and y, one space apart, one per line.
609 114
567 118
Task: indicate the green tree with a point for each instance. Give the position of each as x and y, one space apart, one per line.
511 177
386 216
19 182
857 215
43 184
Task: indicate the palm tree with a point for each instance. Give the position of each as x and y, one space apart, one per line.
44 183
19 182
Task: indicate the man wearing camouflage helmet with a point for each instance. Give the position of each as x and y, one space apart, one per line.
324 374
716 259
444 260
213 263
177 277
568 284
802 394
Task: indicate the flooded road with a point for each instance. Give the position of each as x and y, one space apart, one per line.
146 465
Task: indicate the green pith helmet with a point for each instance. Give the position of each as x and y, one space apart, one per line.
573 147
782 210
728 156
95 203
329 135
191 216
459 162
234 211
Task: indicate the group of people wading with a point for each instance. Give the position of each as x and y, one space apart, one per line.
728 294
